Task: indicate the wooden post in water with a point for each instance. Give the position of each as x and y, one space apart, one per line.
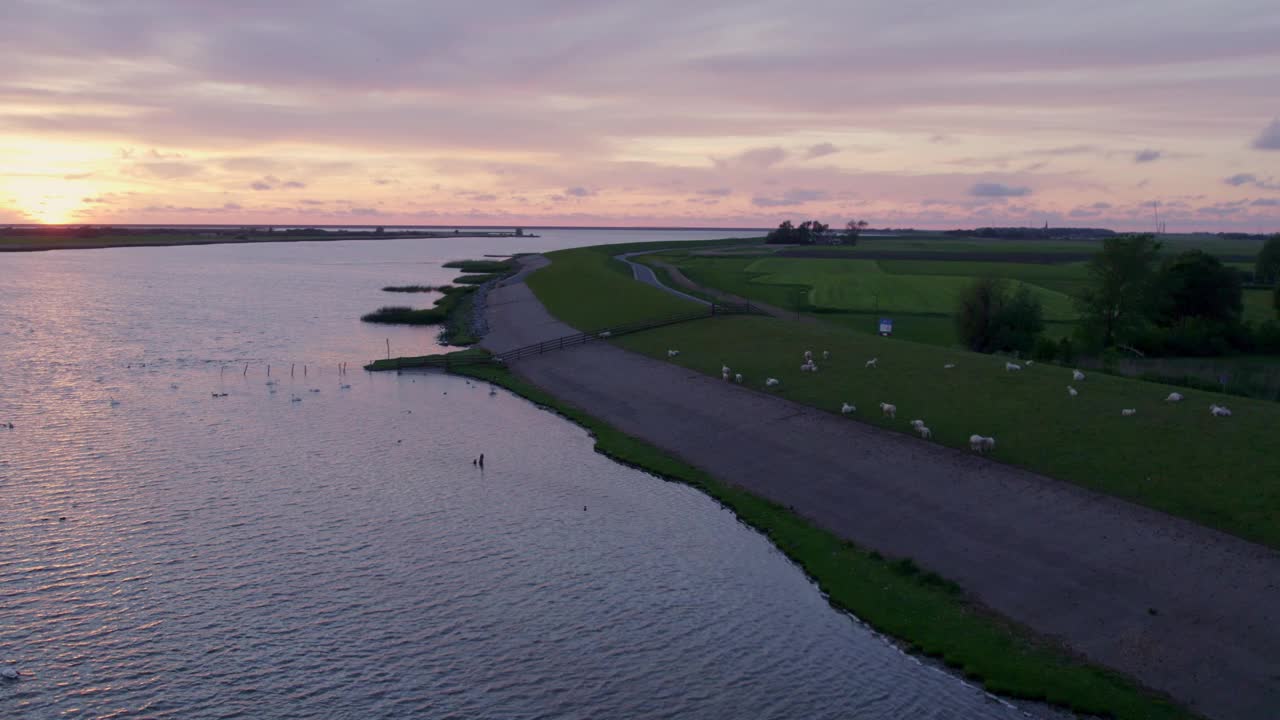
221 370
246 370
304 369
291 366
388 348
268 371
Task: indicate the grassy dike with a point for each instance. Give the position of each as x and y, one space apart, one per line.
928 614
1174 457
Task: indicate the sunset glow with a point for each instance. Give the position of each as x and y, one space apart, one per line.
503 112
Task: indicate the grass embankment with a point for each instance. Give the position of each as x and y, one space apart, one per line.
931 615
415 288
1174 457
589 289
401 315
476 279
480 266
454 307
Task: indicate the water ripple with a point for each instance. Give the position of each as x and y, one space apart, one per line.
184 556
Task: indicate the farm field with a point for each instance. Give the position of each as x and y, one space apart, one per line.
863 286
1083 440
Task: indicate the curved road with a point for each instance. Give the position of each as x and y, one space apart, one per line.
1185 609
646 275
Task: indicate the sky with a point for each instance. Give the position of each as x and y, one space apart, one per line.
712 113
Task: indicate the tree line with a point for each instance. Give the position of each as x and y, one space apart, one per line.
1186 304
811 232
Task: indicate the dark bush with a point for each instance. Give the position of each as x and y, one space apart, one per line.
992 319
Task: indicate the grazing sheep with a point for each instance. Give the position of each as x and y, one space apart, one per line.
846 408
872 362
724 369
1174 397
804 367
770 382
605 334
738 378
1219 411
917 424
1077 375
1128 412
948 366
826 355
889 411
813 366
988 444
976 443
808 355
1071 391
1030 363
925 433
1011 366
672 353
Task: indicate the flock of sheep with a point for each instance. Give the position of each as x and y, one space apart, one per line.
977 443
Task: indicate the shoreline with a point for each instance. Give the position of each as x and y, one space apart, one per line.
784 528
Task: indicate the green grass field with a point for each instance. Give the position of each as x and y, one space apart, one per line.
1258 306
894 596
1066 278
862 286
1217 471
592 290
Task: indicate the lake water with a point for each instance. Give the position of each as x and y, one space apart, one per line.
168 554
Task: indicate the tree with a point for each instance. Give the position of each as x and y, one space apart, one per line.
992 318
852 230
1117 301
783 235
1197 285
1275 300
1267 267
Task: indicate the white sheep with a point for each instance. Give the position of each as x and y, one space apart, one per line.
738 378
1011 366
889 411
813 366
976 443
724 376
605 334
1071 391
1030 363
925 433
672 353
1077 375
808 355
872 362
948 366
770 382
724 369
846 408
804 367
988 444
1219 411
917 424
1129 412
1174 397
826 355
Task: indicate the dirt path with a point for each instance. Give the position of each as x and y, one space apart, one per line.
1185 609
